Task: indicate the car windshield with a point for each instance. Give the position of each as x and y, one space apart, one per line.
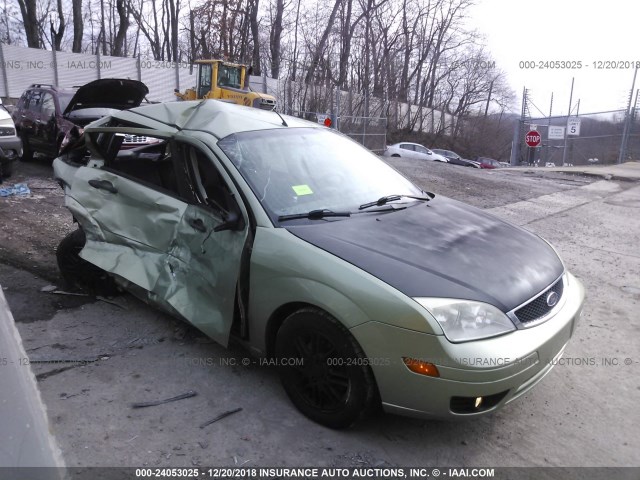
298 170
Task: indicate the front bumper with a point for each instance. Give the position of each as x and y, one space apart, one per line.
502 368
11 147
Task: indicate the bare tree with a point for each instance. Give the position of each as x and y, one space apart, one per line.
57 34
255 35
318 51
78 26
149 26
293 60
32 26
275 40
173 6
122 8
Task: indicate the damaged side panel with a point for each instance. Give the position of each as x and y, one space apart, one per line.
130 211
213 261
161 244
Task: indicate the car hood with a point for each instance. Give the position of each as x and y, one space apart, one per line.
442 248
4 115
116 93
6 122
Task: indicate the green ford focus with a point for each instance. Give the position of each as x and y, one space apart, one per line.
304 247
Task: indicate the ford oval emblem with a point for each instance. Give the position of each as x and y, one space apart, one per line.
552 299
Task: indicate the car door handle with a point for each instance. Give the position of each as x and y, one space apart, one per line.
103 185
198 224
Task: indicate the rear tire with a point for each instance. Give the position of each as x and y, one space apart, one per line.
27 153
77 272
334 385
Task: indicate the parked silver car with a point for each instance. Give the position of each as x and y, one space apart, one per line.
10 144
412 150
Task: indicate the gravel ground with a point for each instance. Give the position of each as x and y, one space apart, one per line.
33 226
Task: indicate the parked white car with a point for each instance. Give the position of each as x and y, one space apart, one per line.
412 150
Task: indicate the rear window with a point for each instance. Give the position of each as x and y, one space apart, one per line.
63 100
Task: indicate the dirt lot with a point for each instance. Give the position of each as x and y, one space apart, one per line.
582 414
33 226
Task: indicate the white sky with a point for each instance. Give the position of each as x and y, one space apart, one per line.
541 30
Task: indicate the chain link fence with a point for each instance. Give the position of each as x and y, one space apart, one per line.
584 139
371 132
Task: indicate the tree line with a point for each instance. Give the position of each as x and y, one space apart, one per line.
416 51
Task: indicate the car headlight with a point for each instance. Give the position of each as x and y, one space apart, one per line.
465 320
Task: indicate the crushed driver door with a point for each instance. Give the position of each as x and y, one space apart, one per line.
147 222
208 249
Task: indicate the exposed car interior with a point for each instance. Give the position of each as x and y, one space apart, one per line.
175 168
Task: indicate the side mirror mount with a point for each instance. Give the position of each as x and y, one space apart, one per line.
233 222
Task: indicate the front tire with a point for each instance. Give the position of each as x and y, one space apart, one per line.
77 272
6 170
333 386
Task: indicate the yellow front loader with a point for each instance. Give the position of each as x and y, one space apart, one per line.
228 82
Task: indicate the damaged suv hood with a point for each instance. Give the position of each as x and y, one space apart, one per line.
108 93
442 248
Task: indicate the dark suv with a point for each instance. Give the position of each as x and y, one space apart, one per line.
46 114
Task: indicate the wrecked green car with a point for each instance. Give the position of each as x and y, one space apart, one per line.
308 249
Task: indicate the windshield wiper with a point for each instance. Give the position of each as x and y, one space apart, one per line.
390 198
314 215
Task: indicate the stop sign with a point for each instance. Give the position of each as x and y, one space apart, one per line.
532 138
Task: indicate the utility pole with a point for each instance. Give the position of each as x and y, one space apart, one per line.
627 119
517 131
548 149
634 112
566 131
486 108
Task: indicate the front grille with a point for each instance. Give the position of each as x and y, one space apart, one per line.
538 307
7 132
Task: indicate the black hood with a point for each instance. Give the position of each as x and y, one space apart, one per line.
442 248
117 93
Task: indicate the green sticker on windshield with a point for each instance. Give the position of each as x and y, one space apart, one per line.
302 190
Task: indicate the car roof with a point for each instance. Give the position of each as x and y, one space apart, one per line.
53 88
213 116
409 143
